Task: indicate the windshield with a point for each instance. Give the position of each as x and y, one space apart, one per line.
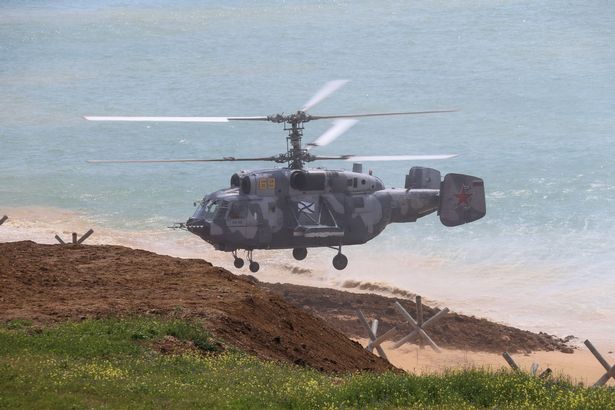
200 205
210 210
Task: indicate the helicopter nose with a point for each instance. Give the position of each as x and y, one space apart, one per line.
198 226
193 221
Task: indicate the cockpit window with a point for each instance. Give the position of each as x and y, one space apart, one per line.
199 207
210 210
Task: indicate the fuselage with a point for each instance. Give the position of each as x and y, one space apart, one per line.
288 208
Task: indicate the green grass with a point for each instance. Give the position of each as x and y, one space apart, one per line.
110 363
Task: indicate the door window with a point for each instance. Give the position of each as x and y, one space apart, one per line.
238 210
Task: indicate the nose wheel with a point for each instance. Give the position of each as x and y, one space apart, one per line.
254 267
239 262
340 261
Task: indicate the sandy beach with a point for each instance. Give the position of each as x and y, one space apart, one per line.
580 366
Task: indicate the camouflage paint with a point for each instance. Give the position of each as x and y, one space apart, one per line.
264 209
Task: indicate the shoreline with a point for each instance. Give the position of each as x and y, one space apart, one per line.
279 266
579 367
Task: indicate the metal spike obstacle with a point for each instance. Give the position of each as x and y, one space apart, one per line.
418 325
510 361
610 370
533 370
74 240
372 331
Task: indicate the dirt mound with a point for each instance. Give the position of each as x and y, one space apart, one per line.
453 330
48 283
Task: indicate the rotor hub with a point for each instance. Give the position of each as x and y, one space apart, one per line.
296 118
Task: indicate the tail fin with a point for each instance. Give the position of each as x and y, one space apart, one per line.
462 199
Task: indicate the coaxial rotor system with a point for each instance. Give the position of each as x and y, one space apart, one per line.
297 154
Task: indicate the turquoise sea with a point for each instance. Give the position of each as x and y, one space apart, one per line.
534 82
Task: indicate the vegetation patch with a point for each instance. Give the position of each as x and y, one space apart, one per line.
118 363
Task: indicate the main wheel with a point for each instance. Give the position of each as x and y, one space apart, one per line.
340 261
238 263
299 253
254 267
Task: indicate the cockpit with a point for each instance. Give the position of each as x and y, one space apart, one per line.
212 209
209 209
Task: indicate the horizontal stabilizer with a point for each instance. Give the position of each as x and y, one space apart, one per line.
462 199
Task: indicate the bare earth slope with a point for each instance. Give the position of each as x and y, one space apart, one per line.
50 283
453 331
304 325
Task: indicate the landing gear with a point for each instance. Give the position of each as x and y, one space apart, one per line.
238 262
299 253
340 261
254 267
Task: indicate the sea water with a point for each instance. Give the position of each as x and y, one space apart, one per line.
534 82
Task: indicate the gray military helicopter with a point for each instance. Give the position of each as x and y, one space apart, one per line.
295 207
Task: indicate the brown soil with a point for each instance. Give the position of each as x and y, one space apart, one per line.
298 324
50 283
454 331
173 345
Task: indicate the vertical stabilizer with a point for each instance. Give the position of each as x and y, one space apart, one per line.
462 199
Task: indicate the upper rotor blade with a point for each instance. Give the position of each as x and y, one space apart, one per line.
378 114
175 119
149 161
339 127
386 157
328 89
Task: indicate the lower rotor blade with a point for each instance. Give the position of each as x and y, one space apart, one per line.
175 119
151 161
339 127
386 157
378 114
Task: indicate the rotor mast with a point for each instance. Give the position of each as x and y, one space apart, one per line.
296 155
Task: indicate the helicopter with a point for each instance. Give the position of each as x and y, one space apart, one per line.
296 207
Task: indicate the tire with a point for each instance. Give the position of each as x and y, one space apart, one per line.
238 263
340 261
254 267
299 253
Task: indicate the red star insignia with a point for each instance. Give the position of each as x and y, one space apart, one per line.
463 198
